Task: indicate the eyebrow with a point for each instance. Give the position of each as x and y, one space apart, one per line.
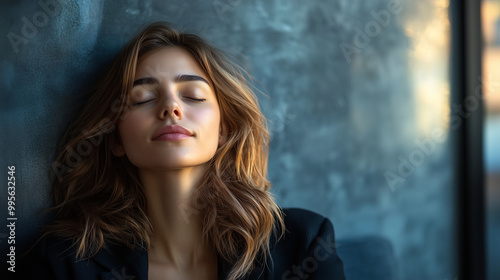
177 79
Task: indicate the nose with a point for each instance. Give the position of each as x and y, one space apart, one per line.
171 108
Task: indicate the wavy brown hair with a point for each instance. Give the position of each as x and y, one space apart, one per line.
98 197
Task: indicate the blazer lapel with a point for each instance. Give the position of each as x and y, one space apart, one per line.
260 272
123 263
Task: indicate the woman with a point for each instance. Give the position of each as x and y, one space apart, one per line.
163 176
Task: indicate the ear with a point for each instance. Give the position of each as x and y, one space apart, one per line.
117 146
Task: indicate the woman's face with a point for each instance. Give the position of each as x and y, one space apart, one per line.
173 120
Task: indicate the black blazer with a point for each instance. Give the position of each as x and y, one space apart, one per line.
307 251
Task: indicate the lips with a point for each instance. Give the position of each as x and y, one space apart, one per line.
171 133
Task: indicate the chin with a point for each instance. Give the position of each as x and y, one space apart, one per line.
171 165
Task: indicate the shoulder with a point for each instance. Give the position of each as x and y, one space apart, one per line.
56 258
304 227
53 247
307 248
50 258
304 222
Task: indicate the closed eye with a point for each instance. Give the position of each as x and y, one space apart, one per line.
142 102
196 99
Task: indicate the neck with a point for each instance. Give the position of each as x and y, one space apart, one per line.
178 228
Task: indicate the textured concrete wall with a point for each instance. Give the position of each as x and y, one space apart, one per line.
347 103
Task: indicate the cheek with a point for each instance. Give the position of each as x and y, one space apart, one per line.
210 122
130 129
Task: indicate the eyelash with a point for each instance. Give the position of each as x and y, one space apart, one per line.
190 98
140 103
196 99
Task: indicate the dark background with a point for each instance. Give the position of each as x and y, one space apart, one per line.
339 121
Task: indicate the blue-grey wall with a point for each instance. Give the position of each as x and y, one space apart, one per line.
348 104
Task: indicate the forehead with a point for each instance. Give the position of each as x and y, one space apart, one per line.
168 62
